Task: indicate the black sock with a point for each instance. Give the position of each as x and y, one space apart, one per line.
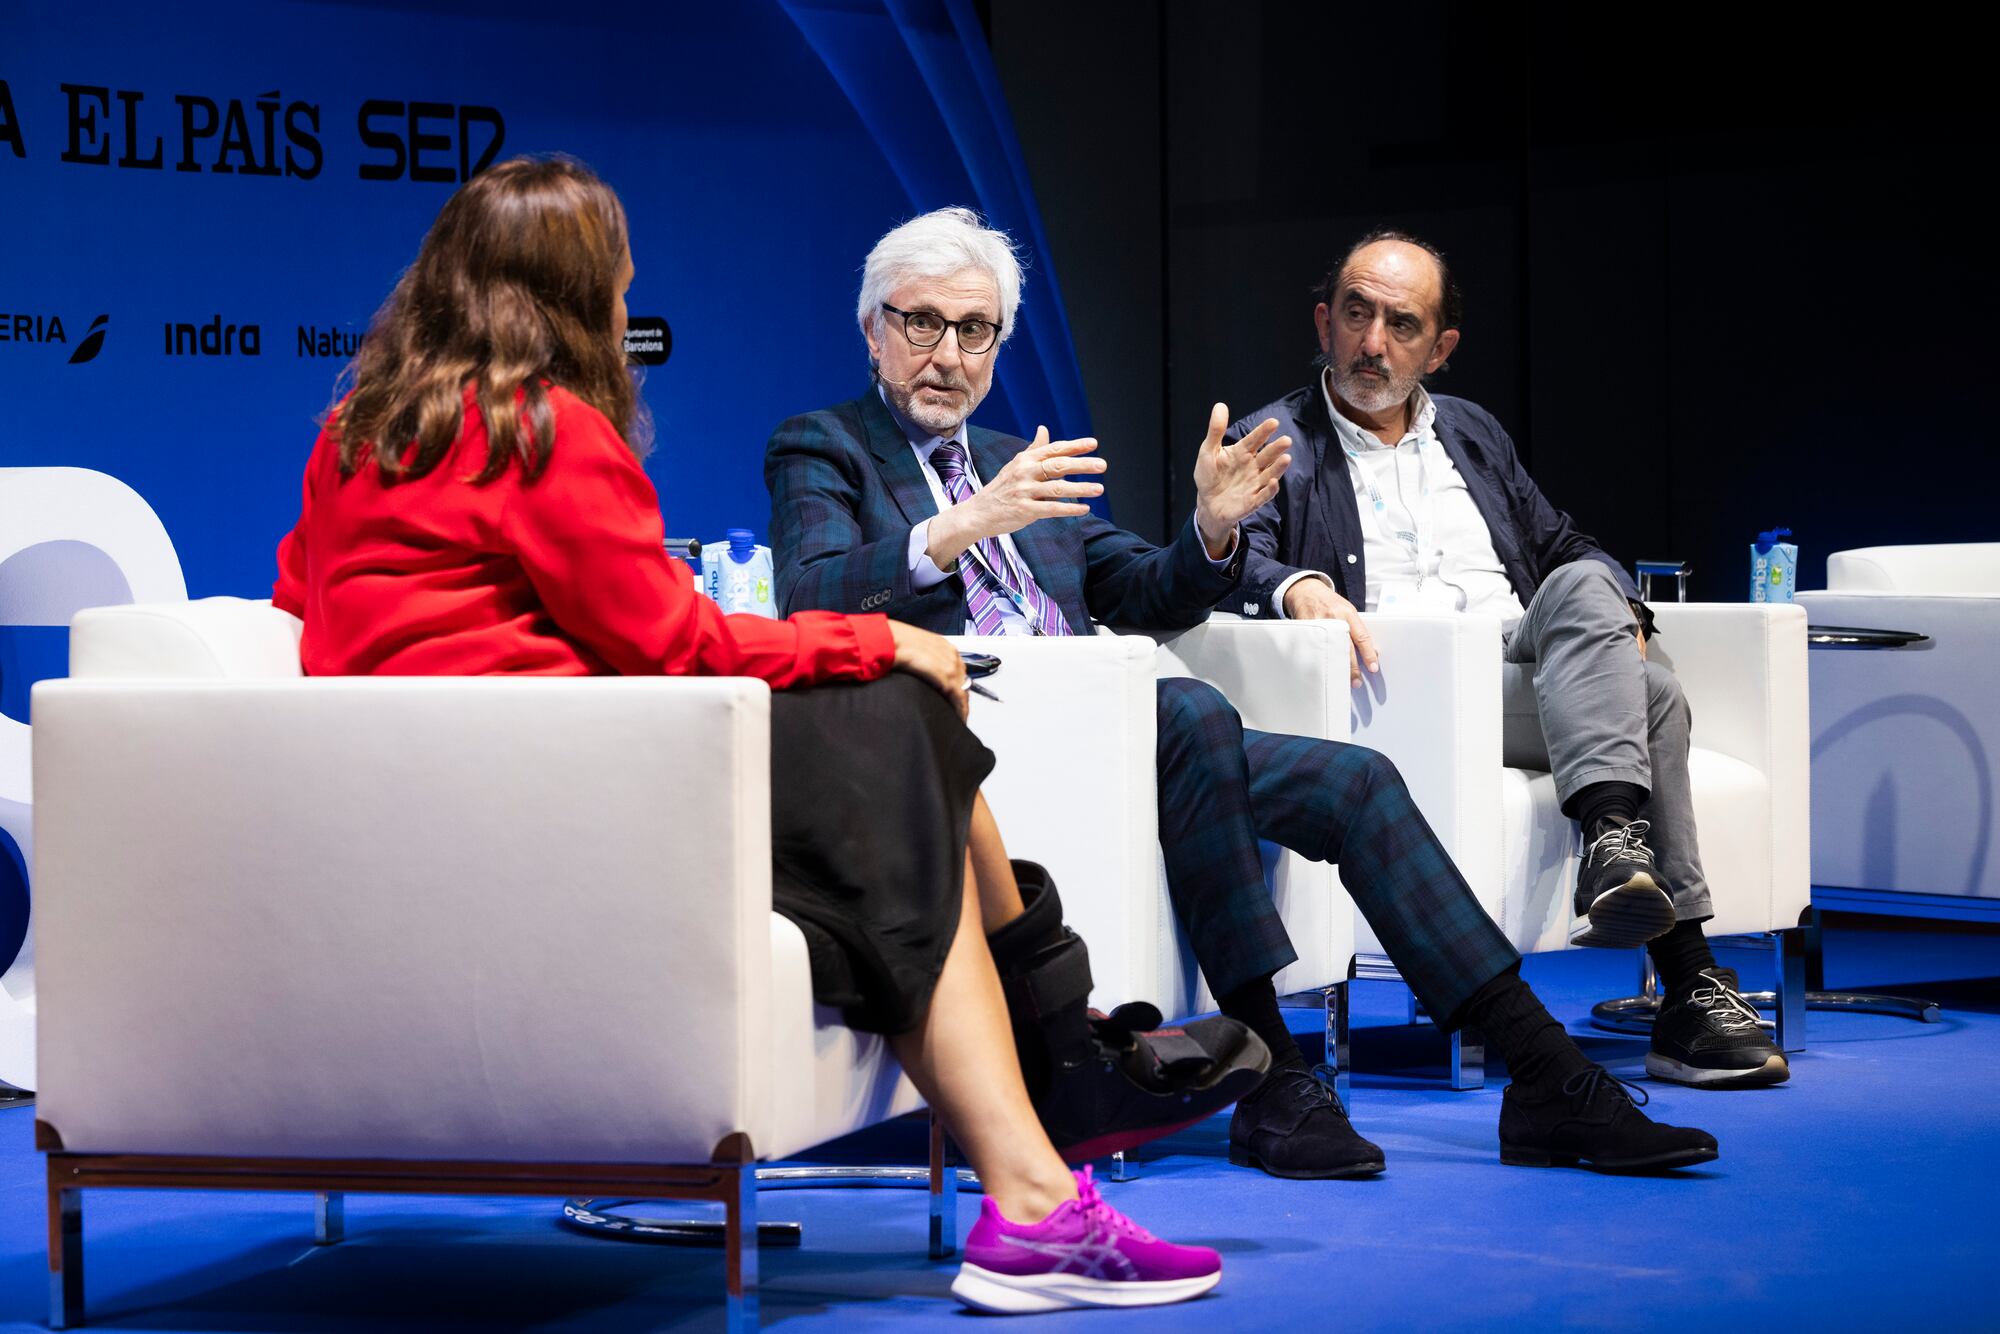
1608 803
1539 1054
1680 955
1256 1004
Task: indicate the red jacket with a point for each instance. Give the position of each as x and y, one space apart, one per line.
564 576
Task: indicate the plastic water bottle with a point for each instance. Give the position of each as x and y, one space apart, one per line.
1774 567
737 573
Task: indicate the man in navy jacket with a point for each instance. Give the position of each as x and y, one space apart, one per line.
1400 498
893 503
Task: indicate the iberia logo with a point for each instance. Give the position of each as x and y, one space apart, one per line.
93 342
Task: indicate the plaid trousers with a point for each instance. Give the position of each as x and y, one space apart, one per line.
1222 787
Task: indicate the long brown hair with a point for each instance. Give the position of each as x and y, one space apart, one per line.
515 285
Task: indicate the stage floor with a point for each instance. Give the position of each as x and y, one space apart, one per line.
1860 1196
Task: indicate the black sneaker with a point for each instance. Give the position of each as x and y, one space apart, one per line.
1594 1122
1619 898
1292 1125
1708 1035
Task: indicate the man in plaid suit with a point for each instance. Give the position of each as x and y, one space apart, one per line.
893 503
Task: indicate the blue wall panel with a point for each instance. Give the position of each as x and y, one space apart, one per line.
760 149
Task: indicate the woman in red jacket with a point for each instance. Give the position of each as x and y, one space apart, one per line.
510 529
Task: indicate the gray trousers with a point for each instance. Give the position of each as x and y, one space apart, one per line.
1580 702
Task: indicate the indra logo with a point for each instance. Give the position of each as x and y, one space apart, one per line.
214 339
35 327
648 340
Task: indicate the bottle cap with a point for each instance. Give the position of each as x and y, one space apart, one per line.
741 542
1765 540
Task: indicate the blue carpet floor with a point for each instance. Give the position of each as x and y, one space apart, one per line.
1861 1196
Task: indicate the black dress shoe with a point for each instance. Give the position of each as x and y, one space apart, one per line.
1620 901
1594 1122
1707 1035
1291 1125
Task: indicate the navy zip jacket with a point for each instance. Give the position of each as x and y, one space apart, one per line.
1314 522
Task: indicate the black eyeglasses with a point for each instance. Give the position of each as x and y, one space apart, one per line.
925 328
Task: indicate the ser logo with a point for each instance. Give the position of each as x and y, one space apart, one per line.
19 327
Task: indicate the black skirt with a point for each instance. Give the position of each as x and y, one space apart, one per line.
871 797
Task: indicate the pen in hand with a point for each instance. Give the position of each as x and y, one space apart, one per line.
979 689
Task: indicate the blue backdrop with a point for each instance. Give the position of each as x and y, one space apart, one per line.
225 198
760 149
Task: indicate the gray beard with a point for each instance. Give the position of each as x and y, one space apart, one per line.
1371 396
938 421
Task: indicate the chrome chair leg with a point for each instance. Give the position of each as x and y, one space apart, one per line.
1465 1051
329 1218
1788 959
606 1217
1339 1035
1468 1059
1797 964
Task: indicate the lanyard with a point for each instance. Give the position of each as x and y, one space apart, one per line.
1014 588
1422 514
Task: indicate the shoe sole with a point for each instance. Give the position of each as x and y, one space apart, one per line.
1631 914
1518 1156
1351 1172
1775 1070
1025 1294
1119 1141
1204 1102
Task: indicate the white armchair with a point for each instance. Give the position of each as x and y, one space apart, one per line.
1437 710
1906 742
69 538
1075 790
346 920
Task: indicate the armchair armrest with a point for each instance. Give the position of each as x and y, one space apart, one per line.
1435 709
1282 676
1743 669
1288 677
1075 789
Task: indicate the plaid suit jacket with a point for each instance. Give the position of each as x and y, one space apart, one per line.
846 489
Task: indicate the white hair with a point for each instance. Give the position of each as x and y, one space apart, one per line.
937 245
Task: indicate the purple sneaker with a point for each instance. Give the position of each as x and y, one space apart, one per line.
1084 1254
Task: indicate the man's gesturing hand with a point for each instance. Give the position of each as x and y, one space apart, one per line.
1313 600
1231 481
1032 486
931 658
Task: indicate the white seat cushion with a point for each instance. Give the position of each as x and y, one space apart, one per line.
1539 849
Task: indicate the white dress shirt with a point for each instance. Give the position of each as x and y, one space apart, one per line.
924 572
1426 545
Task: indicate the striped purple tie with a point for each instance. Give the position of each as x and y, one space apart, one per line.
992 579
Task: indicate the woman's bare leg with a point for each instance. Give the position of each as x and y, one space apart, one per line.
999 895
962 1060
